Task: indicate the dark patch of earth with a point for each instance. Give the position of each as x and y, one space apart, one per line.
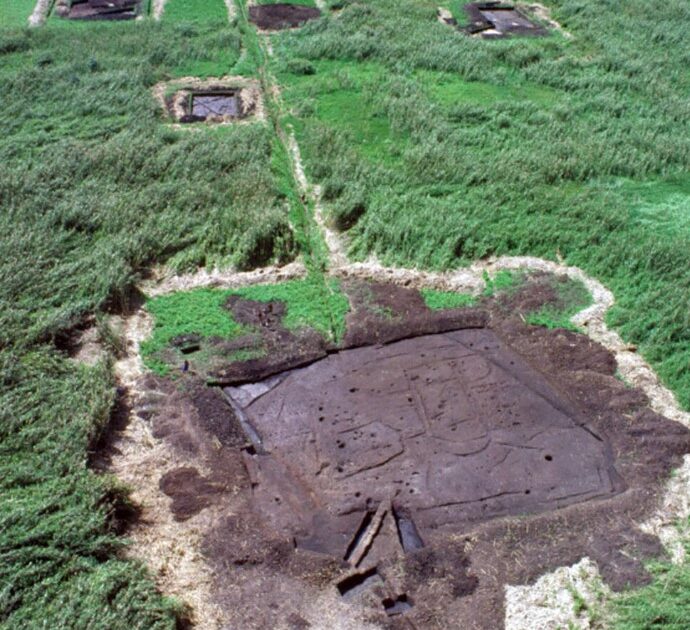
298 512
280 16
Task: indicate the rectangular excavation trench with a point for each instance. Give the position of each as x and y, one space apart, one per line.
436 431
205 104
98 9
493 19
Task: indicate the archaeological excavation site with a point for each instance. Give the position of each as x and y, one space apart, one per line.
344 315
404 472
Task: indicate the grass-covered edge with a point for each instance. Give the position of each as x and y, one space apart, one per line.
310 302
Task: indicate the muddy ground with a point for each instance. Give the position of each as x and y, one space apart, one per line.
403 477
273 17
496 20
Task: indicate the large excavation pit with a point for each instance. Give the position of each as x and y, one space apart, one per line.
224 100
408 470
98 9
219 104
495 19
447 429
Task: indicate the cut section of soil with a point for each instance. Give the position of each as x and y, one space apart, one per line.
494 19
281 16
98 9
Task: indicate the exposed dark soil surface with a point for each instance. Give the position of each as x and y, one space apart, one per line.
98 9
223 104
279 16
383 313
454 428
419 467
210 104
496 19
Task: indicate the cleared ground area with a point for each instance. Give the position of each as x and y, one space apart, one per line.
260 365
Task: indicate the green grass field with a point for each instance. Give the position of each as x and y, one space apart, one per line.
209 11
432 150
15 14
94 188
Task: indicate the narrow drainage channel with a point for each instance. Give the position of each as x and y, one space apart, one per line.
410 540
251 433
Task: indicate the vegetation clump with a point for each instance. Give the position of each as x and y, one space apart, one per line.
202 313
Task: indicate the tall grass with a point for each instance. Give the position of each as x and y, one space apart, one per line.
58 567
94 187
511 147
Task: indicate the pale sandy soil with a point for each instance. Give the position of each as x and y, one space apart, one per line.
40 13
